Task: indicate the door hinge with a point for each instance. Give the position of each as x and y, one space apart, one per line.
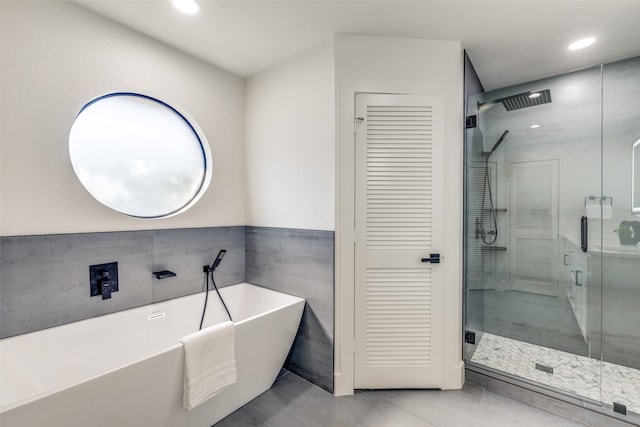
471 121
470 337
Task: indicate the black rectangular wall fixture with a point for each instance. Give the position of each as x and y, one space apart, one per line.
100 273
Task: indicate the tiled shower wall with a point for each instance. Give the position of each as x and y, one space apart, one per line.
44 280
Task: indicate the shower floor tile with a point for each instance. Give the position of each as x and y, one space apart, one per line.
572 373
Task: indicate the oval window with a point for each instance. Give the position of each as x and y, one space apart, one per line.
139 155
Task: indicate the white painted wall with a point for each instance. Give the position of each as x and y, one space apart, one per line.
290 142
393 65
273 137
56 56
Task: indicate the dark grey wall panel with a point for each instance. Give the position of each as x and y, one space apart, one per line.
300 262
44 280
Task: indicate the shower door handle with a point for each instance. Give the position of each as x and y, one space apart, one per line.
584 228
433 259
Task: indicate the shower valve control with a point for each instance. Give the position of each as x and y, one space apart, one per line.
433 259
103 279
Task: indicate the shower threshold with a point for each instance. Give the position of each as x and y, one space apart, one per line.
579 375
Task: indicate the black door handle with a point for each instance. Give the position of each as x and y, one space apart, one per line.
584 227
433 259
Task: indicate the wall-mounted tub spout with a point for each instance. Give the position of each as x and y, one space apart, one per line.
164 274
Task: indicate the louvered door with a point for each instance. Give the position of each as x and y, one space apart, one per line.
398 312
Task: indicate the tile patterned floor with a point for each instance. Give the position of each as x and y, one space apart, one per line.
294 402
572 373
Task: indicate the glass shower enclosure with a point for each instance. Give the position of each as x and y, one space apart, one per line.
552 234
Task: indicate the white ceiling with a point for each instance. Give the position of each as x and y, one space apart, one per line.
509 41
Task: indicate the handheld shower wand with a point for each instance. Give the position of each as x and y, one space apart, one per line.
217 261
208 270
486 188
495 146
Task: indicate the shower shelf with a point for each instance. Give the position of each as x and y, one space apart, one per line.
493 248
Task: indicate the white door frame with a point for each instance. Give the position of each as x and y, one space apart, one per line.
453 372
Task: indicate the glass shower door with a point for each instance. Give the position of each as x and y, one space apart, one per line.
533 171
619 277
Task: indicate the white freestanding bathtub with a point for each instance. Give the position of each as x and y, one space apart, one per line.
126 368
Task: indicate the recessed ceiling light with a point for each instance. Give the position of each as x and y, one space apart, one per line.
187 6
582 43
535 126
534 95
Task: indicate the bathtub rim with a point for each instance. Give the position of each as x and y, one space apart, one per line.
153 306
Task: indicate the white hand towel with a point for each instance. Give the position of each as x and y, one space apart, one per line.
592 210
209 363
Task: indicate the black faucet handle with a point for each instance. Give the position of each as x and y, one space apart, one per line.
106 289
106 284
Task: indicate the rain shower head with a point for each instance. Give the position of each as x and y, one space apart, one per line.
495 146
522 100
